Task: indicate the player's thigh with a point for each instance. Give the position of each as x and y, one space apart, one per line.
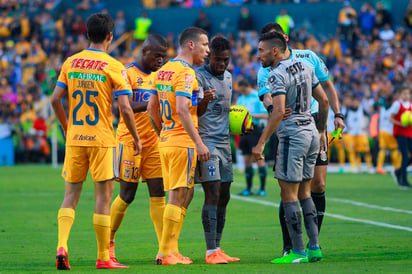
127 165
290 159
178 167
312 156
101 161
150 166
76 164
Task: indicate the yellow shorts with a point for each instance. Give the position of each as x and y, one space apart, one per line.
387 141
178 166
358 143
78 161
130 168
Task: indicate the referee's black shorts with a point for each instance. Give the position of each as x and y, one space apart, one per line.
249 141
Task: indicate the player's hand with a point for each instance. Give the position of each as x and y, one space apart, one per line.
209 95
250 129
323 143
339 123
202 152
137 145
288 112
257 152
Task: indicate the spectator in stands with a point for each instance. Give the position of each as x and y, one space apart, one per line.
347 22
203 22
245 23
367 18
143 24
84 5
383 16
285 21
119 25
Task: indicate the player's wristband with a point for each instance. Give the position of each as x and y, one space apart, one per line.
339 115
270 109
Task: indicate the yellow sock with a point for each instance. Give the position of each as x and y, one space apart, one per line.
341 156
352 158
381 159
368 159
175 246
171 220
101 225
117 212
65 220
396 159
157 208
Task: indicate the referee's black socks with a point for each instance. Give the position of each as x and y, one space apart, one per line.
320 204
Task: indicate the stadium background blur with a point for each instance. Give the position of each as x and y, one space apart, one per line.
368 50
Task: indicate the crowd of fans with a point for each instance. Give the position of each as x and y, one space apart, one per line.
368 56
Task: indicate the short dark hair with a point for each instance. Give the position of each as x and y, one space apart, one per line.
244 83
156 39
219 44
191 34
99 25
275 39
271 26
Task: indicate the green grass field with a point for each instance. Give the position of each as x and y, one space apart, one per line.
368 229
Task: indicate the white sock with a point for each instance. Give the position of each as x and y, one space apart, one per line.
210 251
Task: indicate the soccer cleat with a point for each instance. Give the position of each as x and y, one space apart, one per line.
227 257
110 264
111 251
182 259
292 258
380 170
167 260
315 255
286 251
62 260
261 193
246 192
215 258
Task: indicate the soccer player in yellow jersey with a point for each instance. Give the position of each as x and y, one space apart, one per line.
175 103
147 164
89 79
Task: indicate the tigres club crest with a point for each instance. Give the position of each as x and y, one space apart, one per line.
139 81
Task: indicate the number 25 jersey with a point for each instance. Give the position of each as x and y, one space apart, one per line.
90 78
175 78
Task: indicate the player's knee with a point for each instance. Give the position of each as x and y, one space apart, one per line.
318 185
156 188
127 196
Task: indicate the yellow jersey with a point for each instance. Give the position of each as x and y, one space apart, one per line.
90 78
141 83
175 78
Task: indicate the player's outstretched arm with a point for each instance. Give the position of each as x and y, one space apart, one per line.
154 114
334 103
128 117
274 120
183 111
56 102
320 96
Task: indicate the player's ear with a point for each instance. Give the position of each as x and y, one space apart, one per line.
109 37
191 44
286 37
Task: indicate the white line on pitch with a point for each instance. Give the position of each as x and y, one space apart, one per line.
336 216
351 202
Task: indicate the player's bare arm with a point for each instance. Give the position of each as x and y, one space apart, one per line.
334 102
274 120
183 111
320 96
56 102
154 113
137 106
128 116
208 96
395 122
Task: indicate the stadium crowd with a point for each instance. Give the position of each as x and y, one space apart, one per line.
369 58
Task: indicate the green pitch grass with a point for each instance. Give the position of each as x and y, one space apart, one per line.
369 229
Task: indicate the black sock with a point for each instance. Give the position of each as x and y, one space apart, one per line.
287 242
249 177
320 204
221 219
262 176
209 221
